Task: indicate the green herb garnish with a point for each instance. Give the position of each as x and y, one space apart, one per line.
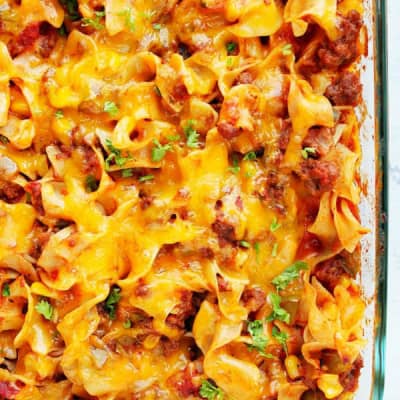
192 137
116 155
281 338
59 114
289 275
278 313
91 183
127 173
129 19
231 47
257 250
251 156
146 178
62 30
94 22
127 324
159 151
305 153
111 108
235 165
173 138
259 340
45 308
72 8
287 49
112 301
210 391
275 225
5 292
274 250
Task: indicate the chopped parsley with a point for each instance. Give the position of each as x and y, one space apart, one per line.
210 391
94 22
129 19
111 108
159 151
146 178
305 153
127 324
245 244
281 337
235 165
91 183
45 308
278 313
112 301
274 250
5 292
116 155
287 49
256 330
231 47
62 30
127 173
173 138
192 137
59 114
72 9
275 225
157 27
289 275
257 250
229 62
251 156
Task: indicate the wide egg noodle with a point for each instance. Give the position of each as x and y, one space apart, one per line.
323 12
238 378
257 18
306 109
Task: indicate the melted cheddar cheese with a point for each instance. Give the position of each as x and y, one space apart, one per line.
179 198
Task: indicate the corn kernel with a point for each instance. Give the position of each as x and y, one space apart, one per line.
63 97
23 134
18 103
62 128
330 385
293 365
40 164
151 341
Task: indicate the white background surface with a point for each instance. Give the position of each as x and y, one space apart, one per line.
392 387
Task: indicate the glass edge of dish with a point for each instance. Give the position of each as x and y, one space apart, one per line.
382 138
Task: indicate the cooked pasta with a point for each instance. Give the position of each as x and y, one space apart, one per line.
179 197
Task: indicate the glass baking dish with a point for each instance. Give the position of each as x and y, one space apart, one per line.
374 205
